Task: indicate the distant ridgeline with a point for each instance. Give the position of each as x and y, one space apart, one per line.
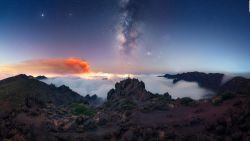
213 81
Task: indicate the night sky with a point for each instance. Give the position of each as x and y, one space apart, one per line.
125 36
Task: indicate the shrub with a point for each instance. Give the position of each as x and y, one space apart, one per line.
126 104
226 95
81 109
187 101
217 100
159 102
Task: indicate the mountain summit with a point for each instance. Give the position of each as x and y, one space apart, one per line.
131 88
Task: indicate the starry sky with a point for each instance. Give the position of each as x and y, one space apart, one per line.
125 36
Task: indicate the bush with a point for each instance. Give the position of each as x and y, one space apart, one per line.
226 95
122 104
126 104
217 100
81 109
187 101
159 102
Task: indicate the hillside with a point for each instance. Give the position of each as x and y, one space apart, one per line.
23 90
237 85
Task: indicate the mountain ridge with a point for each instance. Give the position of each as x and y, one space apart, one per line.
211 81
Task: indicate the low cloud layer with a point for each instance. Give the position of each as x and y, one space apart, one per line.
84 86
181 89
154 84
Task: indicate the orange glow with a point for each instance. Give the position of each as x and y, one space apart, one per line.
50 67
102 75
78 65
57 67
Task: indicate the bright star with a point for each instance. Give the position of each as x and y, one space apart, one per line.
149 53
42 15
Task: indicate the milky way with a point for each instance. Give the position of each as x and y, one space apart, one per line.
128 32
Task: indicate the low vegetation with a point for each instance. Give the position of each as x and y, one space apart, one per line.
187 101
122 104
81 109
220 98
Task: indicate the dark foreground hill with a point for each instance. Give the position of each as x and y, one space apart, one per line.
25 90
131 113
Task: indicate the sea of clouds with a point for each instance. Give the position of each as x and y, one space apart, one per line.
154 84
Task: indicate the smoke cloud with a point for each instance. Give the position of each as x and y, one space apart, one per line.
50 66
127 31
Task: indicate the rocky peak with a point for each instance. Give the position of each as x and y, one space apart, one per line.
131 88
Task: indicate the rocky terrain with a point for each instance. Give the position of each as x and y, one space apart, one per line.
130 113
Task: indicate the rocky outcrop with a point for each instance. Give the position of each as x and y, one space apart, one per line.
211 81
131 94
129 88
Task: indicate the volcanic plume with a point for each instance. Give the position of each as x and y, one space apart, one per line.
127 31
61 66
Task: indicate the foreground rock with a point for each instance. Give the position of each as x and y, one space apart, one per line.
131 94
129 88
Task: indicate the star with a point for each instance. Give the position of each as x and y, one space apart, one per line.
70 14
42 15
149 53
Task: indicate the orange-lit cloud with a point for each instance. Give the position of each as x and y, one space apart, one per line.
68 66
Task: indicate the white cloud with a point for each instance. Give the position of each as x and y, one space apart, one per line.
83 86
181 89
153 84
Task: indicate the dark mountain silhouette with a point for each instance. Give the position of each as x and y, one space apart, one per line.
20 90
41 77
211 81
